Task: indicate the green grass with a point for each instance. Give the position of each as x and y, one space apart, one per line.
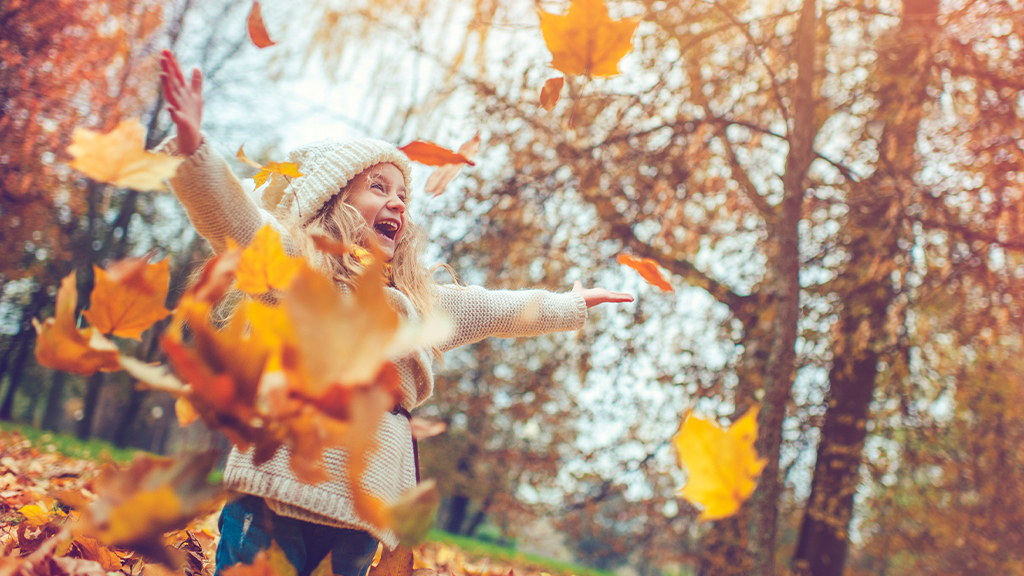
70 445
476 547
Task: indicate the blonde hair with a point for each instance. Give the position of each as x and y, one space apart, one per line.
338 220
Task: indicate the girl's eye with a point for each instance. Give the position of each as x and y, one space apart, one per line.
378 186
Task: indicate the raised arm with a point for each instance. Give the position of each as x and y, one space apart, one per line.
215 200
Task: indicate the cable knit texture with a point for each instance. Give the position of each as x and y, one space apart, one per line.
220 209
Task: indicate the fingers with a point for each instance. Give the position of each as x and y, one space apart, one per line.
577 286
197 81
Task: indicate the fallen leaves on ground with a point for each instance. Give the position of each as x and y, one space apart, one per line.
119 157
288 169
433 155
61 345
586 41
257 29
649 270
439 180
723 465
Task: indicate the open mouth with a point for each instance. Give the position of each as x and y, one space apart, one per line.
387 228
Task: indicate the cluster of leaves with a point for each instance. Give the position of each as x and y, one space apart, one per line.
305 366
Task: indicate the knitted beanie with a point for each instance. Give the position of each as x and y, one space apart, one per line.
326 167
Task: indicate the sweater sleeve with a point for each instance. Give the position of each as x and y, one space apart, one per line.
478 313
215 200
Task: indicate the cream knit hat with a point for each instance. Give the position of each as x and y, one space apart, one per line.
327 166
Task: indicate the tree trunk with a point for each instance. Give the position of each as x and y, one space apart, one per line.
457 509
860 334
17 369
92 398
55 401
786 264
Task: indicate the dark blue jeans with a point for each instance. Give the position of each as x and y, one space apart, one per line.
247 526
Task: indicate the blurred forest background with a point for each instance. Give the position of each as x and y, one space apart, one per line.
835 186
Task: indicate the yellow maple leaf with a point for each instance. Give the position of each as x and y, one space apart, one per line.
120 157
723 464
265 265
283 168
586 40
129 297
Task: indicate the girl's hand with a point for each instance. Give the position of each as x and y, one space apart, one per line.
184 102
595 296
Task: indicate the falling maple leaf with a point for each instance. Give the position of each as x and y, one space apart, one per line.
413 515
120 158
61 345
551 92
433 155
289 169
257 30
648 269
154 495
423 428
445 173
586 41
723 464
397 562
265 265
129 299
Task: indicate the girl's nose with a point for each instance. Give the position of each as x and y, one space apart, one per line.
395 203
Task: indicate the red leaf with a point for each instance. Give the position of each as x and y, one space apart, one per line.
443 176
648 269
433 155
257 31
551 92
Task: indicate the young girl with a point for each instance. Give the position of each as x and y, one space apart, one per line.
349 191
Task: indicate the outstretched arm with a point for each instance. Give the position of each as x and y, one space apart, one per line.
184 102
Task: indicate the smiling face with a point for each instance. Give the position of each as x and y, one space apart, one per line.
378 194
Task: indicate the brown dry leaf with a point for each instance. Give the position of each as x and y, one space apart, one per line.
62 346
397 562
445 173
287 169
412 516
551 92
265 265
130 299
586 41
154 495
723 465
90 549
423 428
257 30
648 269
433 155
120 158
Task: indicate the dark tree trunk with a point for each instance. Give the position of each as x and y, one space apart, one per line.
457 508
55 401
17 369
92 398
859 335
122 436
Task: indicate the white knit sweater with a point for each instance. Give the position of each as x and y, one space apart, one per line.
220 209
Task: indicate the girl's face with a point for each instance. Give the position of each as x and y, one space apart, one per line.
379 194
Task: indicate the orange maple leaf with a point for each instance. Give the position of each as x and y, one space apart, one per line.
289 169
723 464
61 345
128 298
257 30
433 155
120 158
444 174
586 40
551 92
648 269
265 265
